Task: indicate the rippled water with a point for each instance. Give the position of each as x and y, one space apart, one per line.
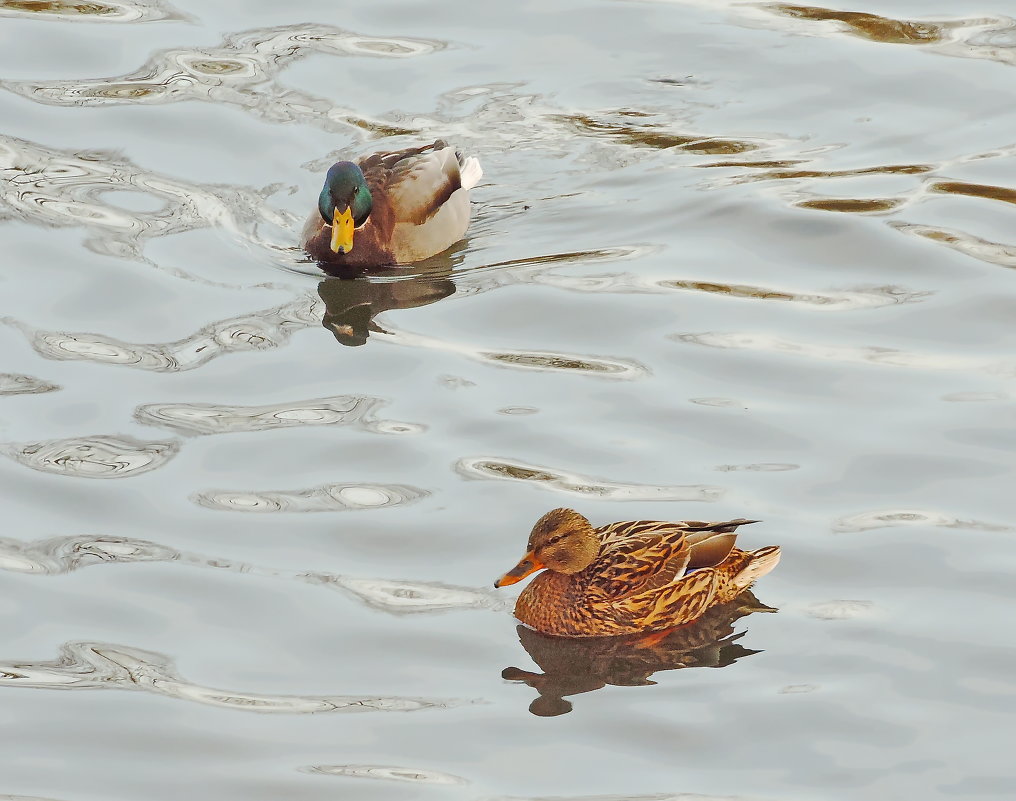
728 260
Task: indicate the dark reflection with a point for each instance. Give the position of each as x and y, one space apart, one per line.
869 26
52 7
783 175
580 665
352 303
652 135
1003 193
851 205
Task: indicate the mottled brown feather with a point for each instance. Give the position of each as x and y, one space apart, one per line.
395 172
641 579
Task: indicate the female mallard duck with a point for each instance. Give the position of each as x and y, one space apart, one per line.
639 575
392 208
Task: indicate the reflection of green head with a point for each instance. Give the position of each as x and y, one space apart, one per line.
350 306
345 187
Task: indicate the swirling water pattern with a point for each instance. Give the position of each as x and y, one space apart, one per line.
209 418
99 456
66 554
87 665
240 72
728 259
327 498
17 384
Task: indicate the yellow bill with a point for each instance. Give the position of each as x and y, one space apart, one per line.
342 231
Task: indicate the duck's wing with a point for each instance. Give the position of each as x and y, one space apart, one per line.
417 181
638 557
679 602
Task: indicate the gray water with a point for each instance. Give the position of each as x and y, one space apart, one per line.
728 260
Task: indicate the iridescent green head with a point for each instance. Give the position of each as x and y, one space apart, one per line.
344 203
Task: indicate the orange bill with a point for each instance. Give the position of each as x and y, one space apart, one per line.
527 565
342 231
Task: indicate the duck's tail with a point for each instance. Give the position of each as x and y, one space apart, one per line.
762 561
470 171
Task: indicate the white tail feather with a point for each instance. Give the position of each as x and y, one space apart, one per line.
763 560
471 172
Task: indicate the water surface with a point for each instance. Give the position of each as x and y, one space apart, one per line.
728 260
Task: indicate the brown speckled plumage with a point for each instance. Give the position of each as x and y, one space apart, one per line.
642 576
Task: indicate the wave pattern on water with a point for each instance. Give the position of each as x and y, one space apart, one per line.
326 498
840 609
4 797
60 188
992 38
271 328
92 10
801 174
407 597
550 361
210 418
104 666
504 114
59 555
18 384
512 272
65 554
651 797
583 486
969 245
387 773
241 72
639 129
835 300
866 521
98 456
757 467
988 37
850 354
261 330
741 239
977 397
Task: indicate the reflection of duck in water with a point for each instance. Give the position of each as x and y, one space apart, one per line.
639 575
571 666
391 208
350 305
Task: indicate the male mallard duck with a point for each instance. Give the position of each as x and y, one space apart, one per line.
638 575
392 208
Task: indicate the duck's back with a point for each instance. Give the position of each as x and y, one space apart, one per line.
428 190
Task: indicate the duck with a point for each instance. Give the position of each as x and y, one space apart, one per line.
391 208
632 576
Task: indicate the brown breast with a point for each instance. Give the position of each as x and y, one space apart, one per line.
555 603
371 242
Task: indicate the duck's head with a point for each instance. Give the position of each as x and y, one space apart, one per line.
562 540
344 203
